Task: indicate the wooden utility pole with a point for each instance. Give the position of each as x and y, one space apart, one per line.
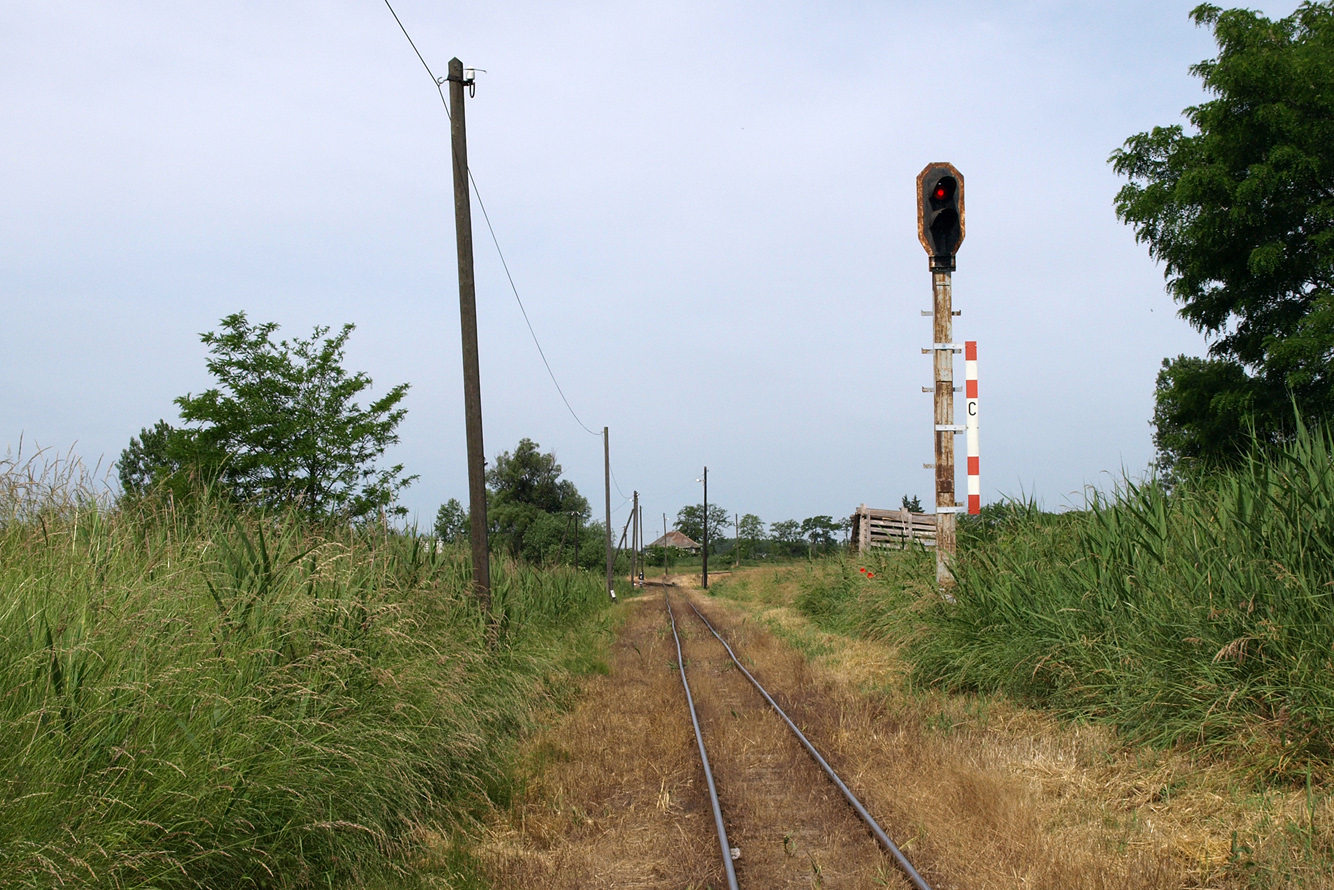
472 384
736 524
634 540
706 528
664 548
606 467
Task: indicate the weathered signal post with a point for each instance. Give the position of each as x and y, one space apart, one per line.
940 228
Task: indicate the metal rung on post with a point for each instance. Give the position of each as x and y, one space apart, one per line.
950 428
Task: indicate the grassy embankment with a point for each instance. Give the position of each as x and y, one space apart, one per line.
1201 616
1199 620
222 700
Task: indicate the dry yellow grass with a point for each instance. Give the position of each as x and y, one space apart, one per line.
615 797
1101 813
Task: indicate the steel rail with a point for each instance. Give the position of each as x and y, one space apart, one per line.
917 880
699 738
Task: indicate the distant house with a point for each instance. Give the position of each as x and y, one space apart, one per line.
675 539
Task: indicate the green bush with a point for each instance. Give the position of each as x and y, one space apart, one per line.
222 699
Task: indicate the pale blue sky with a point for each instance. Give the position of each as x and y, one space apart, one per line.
707 207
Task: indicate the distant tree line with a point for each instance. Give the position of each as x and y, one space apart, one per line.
814 535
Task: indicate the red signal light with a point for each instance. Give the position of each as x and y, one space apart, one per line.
940 193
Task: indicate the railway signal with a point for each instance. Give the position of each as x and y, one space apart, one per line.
940 228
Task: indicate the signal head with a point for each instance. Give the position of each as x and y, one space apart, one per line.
940 219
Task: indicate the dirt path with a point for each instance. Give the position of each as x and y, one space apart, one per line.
617 797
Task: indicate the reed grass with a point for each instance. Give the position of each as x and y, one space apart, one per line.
1204 614
219 699
1201 615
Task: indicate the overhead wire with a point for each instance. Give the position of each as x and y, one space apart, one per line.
617 484
439 88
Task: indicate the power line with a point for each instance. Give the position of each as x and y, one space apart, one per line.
435 80
506 266
490 228
618 486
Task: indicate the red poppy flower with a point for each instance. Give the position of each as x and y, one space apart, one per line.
862 570
870 574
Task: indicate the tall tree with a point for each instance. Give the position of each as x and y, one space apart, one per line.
750 531
787 531
160 455
821 531
281 429
451 521
787 537
530 506
1241 213
690 522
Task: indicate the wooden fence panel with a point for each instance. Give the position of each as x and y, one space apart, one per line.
895 529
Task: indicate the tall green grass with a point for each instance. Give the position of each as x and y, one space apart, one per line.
216 699
1204 614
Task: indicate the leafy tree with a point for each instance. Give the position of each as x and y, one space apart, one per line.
1204 410
529 507
158 456
820 531
750 527
788 531
913 503
451 521
845 526
282 429
787 537
690 522
1241 213
750 531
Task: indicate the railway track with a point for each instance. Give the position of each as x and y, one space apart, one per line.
730 853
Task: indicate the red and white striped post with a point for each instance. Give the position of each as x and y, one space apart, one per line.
970 394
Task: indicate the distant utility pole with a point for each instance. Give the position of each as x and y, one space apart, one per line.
606 467
634 540
940 228
736 524
664 548
706 528
472 383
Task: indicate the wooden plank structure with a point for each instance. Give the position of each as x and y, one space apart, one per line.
894 529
